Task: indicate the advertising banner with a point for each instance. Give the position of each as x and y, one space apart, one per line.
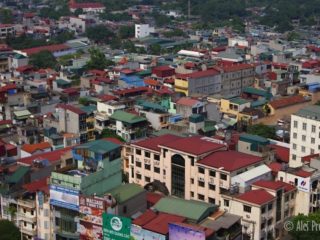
64 197
91 206
90 231
177 232
116 227
138 233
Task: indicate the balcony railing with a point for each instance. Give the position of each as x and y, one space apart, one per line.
28 231
27 203
24 217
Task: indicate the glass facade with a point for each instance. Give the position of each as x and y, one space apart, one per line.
178 176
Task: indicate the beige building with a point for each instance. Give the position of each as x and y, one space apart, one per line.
264 209
198 168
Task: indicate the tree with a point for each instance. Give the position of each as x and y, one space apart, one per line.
126 32
6 16
98 60
8 231
155 49
262 130
107 133
99 34
302 226
43 59
78 11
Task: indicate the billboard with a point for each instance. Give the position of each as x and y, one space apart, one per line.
138 233
303 184
64 197
91 205
177 232
89 231
116 227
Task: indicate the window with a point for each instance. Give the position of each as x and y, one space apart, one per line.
138 164
270 205
263 225
212 187
295 135
138 176
201 184
311 151
294 146
295 124
192 194
313 140
156 170
263 210
138 151
246 208
192 160
192 181
303 149
292 195
287 198
212 173
147 154
226 202
147 179
304 126
212 200
223 176
201 197
147 166
201 170
294 157
157 157
313 128
270 221
303 137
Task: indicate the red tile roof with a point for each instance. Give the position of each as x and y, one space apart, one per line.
24 68
288 101
8 87
131 90
39 185
274 185
259 197
153 143
50 156
106 97
4 122
160 224
5 25
50 48
151 82
74 5
302 173
195 145
153 198
162 68
309 157
31 148
70 108
187 101
275 167
236 67
282 153
145 218
199 74
229 160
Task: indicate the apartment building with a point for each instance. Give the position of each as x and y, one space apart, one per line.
264 208
143 30
128 126
235 78
198 168
304 134
205 82
7 30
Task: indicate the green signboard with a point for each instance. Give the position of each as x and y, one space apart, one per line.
116 227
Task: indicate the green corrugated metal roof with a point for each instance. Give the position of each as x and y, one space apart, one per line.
88 109
17 175
127 117
125 192
256 91
144 73
193 210
62 82
254 138
152 105
22 114
238 101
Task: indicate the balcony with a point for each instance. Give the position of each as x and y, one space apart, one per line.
27 218
27 203
28 231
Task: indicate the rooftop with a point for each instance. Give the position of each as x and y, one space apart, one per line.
258 197
274 185
229 160
50 48
200 74
99 146
31 148
287 101
195 145
127 117
125 192
190 209
71 108
153 143
239 101
312 112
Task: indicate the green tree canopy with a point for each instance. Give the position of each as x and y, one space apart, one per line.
99 34
43 59
6 16
303 227
98 60
262 130
8 231
126 32
107 133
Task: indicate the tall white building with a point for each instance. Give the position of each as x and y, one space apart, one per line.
305 134
143 30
